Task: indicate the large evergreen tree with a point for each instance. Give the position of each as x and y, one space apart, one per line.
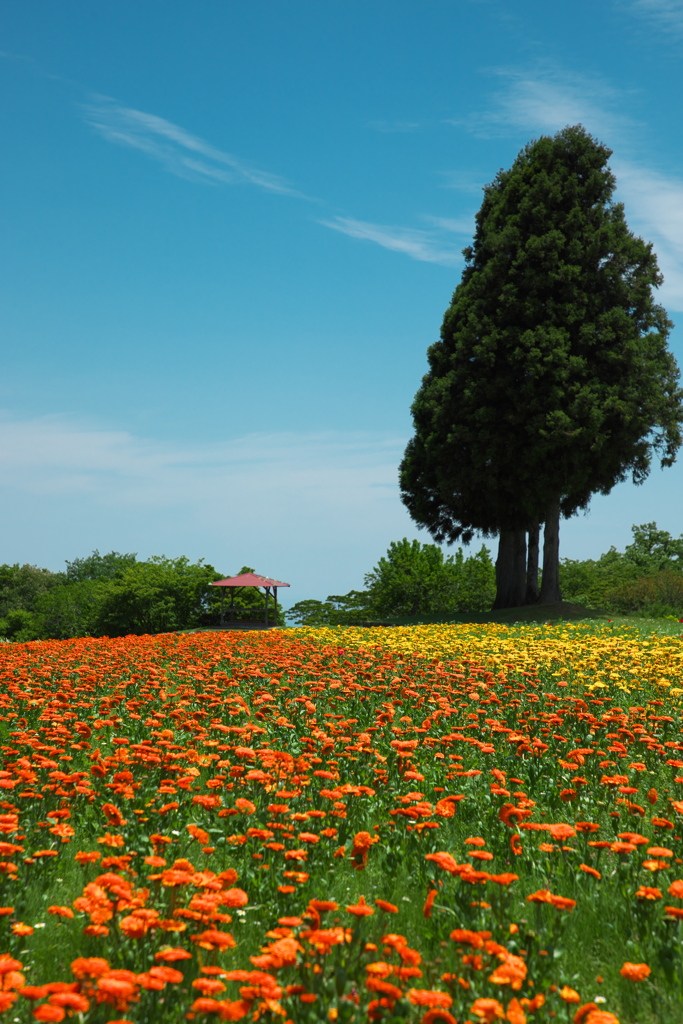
552 379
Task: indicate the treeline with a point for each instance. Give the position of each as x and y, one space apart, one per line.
646 578
115 595
412 579
418 580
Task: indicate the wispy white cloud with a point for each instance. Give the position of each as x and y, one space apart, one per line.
454 225
181 153
667 14
424 246
315 509
654 209
547 99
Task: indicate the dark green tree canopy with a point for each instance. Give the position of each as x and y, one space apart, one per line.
552 379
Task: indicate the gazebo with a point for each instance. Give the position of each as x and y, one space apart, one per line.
247 579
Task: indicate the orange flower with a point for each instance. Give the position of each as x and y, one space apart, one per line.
89 967
590 871
361 909
60 911
583 1011
635 972
117 988
512 971
487 1010
445 861
113 815
8 964
545 896
70 1001
507 878
212 938
172 954
438 1016
208 986
234 898
199 834
561 831
646 892
49 1013
429 997
429 903
389 908
467 937
22 929
569 995
362 841
515 1014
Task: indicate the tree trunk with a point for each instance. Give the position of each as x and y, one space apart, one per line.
511 569
550 582
532 566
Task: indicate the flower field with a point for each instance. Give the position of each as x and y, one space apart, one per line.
422 824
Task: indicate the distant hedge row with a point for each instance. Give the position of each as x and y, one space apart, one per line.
113 595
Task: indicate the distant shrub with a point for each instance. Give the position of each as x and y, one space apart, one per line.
657 595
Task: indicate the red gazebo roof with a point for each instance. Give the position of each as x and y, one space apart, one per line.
249 579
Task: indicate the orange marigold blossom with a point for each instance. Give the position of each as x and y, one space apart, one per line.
648 893
172 954
487 1010
22 929
634 972
360 909
60 911
45 1012
429 903
470 938
70 1001
545 896
445 861
515 1014
438 1016
429 997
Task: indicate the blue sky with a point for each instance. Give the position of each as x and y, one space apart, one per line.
231 230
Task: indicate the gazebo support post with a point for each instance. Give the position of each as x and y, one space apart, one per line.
267 590
275 602
222 606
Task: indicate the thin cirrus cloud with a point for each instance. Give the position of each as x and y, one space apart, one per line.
191 157
180 152
421 245
666 14
547 98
